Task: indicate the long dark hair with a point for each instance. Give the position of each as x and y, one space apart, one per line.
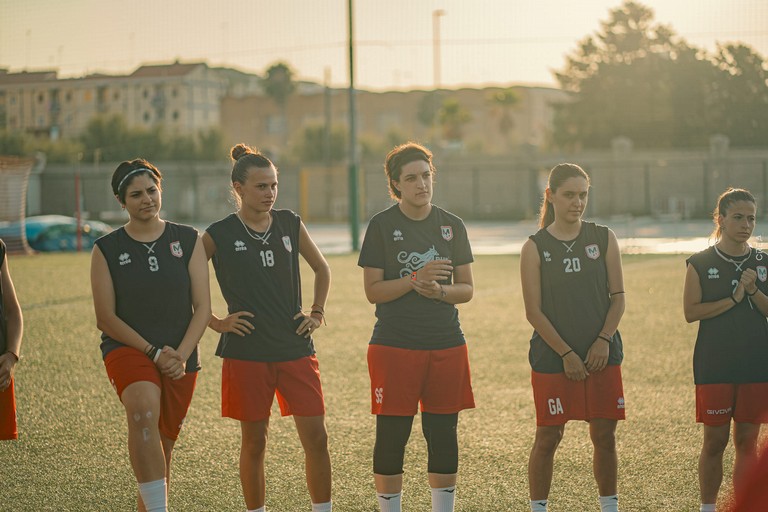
557 176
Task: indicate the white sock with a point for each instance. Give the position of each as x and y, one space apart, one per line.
707 507
538 505
609 503
322 507
389 502
443 498
154 495
262 508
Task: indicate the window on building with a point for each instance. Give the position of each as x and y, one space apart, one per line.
145 94
146 117
40 97
175 115
68 97
174 92
116 95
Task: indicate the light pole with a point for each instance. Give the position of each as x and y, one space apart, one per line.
436 14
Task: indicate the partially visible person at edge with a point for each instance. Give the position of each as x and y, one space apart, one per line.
266 338
573 288
151 295
725 291
416 261
11 330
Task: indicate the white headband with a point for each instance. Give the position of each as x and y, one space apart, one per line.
140 169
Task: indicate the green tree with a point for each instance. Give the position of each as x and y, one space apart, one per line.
311 146
505 100
636 78
210 144
743 95
279 85
453 116
108 134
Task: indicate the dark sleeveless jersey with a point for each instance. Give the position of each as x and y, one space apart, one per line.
3 333
733 346
152 285
574 295
399 246
263 279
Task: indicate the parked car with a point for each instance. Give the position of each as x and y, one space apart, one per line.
55 232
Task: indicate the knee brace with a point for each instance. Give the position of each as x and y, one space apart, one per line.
392 434
442 442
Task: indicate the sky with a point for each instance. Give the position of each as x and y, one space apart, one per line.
482 42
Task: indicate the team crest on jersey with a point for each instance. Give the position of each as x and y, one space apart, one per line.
176 249
287 243
447 232
593 251
762 273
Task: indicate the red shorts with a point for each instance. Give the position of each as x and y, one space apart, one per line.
248 388
403 378
559 399
716 404
8 414
126 365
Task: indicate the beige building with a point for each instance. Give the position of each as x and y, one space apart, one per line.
180 97
259 121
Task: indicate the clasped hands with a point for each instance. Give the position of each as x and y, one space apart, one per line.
427 279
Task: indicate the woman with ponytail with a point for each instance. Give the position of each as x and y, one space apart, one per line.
266 337
573 288
727 293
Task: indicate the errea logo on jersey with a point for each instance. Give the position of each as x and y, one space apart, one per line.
124 258
240 246
397 235
713 273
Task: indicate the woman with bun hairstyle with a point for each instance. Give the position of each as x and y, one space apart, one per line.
149 280
266 337
726 292
573 289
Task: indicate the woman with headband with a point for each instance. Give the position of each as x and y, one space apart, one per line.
150 291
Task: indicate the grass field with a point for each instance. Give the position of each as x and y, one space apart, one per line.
72 449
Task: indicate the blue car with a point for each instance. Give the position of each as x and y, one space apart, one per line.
55 232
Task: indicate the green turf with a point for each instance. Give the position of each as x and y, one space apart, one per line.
72 450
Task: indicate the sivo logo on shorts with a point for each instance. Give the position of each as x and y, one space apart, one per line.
379 392
555 407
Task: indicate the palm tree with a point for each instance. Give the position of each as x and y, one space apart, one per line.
278 84
505 100
453 116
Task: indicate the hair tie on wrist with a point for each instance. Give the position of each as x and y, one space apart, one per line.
751 294
562 356
734 299
606 338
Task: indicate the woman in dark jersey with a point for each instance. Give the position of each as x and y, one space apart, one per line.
416 260
150 290
11 330
266 338
725 290
574 298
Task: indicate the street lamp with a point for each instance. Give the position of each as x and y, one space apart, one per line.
436 45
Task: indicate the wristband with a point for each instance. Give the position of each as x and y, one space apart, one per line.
562 356
413 276
157 355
